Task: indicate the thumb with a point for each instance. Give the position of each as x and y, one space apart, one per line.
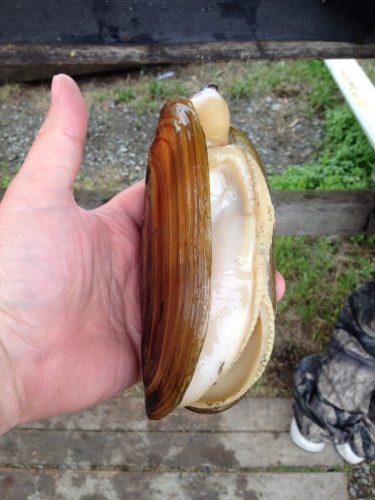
56 154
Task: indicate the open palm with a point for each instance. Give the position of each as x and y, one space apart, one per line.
69 278
70 324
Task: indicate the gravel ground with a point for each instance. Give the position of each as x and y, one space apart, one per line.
119 139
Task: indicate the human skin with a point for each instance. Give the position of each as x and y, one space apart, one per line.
70 327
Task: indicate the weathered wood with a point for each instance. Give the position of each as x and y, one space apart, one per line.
137 32
23 62
127 414
318 213
231 443
67 485
134 55
148 450
167 22
314 213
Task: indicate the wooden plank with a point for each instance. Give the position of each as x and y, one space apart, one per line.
152 450
67 485
324 212
163 21
24 62
123 34
314 213
127 414
133 55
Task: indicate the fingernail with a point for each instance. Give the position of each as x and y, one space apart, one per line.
55 88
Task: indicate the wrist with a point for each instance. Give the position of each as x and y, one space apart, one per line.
10 406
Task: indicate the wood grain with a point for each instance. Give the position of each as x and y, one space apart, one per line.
127 414
26 62
112 451
149 450
123 34
154 22
67 485
134 55
319 213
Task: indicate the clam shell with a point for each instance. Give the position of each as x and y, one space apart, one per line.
240 138
176 257
176 268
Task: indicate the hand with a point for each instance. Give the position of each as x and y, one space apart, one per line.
280 286
69 279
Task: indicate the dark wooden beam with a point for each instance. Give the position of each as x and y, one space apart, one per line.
155 22
24 62
131 55
38 39
314 213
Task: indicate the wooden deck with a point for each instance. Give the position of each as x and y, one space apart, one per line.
114 452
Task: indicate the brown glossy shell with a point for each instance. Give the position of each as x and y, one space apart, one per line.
176 257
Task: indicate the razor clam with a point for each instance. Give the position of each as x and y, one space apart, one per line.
208 281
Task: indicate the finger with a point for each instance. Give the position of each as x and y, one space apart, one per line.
56 154
132 201
280 286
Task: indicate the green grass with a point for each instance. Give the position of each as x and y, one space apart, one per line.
125 94
286 78
166 89
368 65
371 74
5 176
346 160
84 181
151 96
320 273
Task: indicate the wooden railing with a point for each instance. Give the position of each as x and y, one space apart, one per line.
313 213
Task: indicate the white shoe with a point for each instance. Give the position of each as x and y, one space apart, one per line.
301 441
346 452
